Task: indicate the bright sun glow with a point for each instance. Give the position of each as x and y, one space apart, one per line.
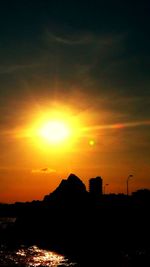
54 131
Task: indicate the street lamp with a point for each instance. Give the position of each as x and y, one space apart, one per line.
128 178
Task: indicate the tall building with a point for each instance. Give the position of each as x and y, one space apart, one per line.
96 185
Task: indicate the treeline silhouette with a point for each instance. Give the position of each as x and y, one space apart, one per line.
90 228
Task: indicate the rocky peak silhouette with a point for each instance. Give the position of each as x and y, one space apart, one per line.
75 184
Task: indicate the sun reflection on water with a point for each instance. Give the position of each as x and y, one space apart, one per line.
33 257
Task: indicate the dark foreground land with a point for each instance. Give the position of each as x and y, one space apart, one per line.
106 230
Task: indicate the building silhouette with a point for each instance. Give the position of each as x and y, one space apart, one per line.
96 185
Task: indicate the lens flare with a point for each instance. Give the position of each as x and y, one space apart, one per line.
91 142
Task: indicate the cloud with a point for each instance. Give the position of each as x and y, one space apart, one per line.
70 40
82 37
84 57
43 170
15 68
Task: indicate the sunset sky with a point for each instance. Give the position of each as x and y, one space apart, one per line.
83 65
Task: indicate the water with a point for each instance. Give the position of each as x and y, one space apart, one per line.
32 257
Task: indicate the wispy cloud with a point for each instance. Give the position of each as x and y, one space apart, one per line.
83 38
16 67
119 125
69 39
43 170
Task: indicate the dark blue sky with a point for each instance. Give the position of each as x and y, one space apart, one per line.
101 48
51 48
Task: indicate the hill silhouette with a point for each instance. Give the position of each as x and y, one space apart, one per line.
70 189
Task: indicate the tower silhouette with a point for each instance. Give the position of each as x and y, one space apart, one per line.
96 185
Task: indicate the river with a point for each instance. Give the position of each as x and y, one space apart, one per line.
32 256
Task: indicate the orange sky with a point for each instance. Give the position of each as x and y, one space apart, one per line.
31 167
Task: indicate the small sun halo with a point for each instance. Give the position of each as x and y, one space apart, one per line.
91 142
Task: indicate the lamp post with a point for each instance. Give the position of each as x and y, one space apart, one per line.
128 178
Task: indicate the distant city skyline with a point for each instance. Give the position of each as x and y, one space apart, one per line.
95 185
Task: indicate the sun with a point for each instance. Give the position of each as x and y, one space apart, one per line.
54 132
